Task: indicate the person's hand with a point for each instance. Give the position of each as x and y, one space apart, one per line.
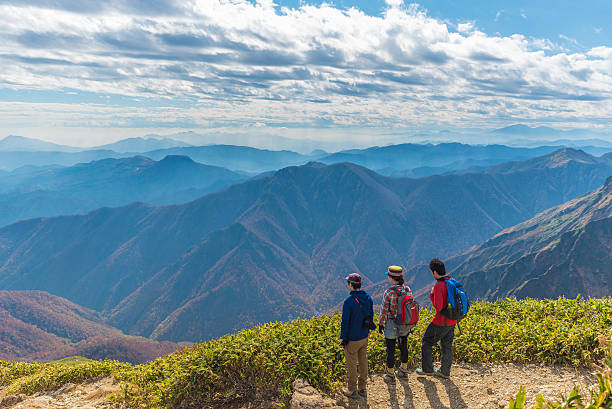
381 329
343 342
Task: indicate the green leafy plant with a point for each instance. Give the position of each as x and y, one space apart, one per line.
600 396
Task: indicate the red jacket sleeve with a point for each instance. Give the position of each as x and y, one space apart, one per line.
438 296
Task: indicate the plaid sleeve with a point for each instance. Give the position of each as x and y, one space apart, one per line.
389 306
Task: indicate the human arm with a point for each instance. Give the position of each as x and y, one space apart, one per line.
346 319
384 309
438 296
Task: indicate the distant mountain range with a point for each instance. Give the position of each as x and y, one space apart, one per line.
11 160
403 160
419 160
14 143
35 325
589 140
277 246
563 251
53 191
20 143
238 158
138 145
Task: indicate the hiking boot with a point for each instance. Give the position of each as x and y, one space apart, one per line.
401 373
419 371
388 377
362 392
439 374
350 395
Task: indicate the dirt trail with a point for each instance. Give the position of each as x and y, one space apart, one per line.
91 395
470 387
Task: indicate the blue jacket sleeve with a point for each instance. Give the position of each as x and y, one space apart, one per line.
371 308
346 319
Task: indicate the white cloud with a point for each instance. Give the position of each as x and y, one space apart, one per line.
394 3
465 28
235 62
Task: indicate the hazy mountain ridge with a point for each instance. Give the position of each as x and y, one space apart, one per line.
137 144
142 144
108 182
565 251
277 244
20 143
395 160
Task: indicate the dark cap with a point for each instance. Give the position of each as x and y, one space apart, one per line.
353 277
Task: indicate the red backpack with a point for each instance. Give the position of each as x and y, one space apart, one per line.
407 310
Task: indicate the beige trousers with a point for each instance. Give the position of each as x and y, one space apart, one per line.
356 352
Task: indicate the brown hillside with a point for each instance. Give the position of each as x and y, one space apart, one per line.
37 326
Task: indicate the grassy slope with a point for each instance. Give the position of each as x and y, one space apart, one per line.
264 360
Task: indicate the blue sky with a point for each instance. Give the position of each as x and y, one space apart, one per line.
88 72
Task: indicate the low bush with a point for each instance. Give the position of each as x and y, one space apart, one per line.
30 378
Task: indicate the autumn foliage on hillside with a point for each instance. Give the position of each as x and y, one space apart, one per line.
37 326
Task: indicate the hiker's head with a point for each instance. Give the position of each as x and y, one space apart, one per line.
354 281
437 267
396 275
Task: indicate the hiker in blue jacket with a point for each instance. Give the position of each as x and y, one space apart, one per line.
357 317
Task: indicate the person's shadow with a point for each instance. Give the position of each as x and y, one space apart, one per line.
361 403
454 395
392 396
408 395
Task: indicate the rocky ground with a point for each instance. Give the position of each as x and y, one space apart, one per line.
470 387
91 395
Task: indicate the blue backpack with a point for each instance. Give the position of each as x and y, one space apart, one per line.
458 302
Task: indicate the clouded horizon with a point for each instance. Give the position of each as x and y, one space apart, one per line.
86 73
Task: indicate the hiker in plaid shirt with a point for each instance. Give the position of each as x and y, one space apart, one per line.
391 330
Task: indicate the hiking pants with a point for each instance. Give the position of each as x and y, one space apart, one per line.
403 347
433 334
356 352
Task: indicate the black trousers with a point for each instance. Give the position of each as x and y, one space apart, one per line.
403 347
433 334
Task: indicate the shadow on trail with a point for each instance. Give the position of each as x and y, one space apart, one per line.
394 404
360 403
409 396
454 395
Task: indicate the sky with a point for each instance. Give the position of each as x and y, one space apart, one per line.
87 72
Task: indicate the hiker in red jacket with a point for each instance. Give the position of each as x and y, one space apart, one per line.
441 328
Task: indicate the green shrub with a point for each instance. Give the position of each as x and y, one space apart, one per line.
10 371
30 378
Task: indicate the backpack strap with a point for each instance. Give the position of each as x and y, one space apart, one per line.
401 291
360 306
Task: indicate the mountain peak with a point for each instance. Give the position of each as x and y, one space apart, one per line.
565 155
521 129
176 159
